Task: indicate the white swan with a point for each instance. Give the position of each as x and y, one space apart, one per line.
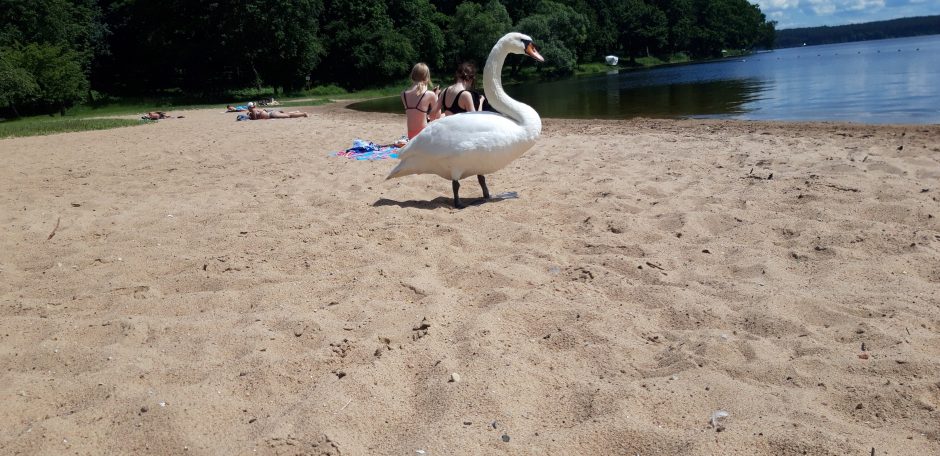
477 143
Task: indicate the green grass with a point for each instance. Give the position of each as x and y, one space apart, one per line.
735 53
321 91
390 90
45 125
648 61
93 115
593 68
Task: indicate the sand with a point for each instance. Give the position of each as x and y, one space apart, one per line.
206 286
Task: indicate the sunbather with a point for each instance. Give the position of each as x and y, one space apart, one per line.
156 115
255 113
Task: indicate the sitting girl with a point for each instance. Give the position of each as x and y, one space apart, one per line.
419 101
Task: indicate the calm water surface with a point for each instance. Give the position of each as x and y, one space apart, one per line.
885 81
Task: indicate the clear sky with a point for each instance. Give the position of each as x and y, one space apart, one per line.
811 13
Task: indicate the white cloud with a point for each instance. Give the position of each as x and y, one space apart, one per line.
859 5
771 5
829 7
820 7
807 13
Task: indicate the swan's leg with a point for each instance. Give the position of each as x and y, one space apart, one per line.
456 186
486 191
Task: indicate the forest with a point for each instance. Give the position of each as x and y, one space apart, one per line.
879 30
55 54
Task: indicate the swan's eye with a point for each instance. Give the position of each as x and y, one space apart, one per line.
525 44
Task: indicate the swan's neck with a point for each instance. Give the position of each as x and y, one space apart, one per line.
522 113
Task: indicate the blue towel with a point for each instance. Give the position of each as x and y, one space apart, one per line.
368 150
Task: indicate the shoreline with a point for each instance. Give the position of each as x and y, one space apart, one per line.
214 286
344 104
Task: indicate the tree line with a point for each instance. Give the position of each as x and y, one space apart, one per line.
55 53
879 30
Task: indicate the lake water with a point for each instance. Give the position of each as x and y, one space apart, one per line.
877 82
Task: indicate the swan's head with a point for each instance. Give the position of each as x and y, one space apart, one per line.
518 43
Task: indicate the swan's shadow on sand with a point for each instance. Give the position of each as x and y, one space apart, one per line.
441 201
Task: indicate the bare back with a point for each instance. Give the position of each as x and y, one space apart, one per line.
419 106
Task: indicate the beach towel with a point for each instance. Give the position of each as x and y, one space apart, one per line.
368 150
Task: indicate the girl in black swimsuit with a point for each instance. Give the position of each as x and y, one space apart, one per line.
453 101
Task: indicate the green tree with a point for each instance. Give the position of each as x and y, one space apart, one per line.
559 31
446 7
174 44
17 85
768 34
74 24
475 29
56 71
726 24
599 40
363 46
141 46
604 27
422 25
288 46
643 28
680 18
208 47
520 9
37 35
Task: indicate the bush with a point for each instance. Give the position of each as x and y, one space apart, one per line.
17 86
43 77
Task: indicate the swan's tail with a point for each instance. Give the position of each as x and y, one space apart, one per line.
397 172
403 169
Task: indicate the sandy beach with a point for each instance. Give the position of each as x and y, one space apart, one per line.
206 286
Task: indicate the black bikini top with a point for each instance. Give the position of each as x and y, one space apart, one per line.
455 107
415 107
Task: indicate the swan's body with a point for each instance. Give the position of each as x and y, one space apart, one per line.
464 145
477 143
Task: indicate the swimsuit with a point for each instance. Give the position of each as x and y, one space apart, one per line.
454 107
415 107
413 133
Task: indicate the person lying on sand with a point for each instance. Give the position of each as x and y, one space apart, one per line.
157 115
231 108
255 113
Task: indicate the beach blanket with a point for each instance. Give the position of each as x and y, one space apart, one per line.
368 150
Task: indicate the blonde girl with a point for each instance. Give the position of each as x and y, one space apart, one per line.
420 101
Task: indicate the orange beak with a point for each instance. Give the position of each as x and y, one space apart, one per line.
531 51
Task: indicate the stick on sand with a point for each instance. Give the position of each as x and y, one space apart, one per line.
54 228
